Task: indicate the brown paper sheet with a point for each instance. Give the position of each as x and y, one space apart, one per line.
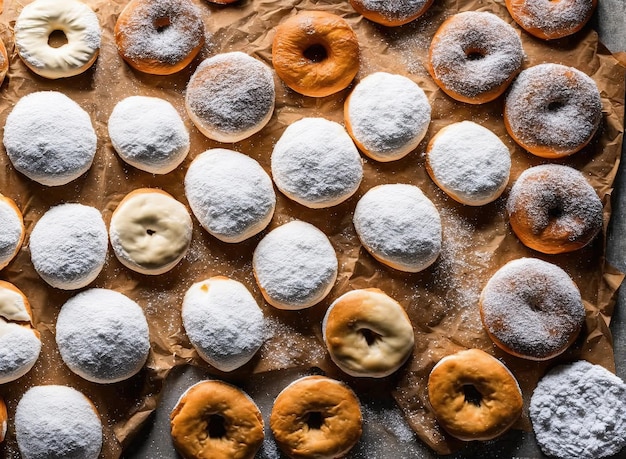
441 301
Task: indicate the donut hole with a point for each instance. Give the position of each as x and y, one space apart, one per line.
314 420
472 395
475 54
370 336
150 232
315 53
57 39
216 426
161 24
555 211
555 105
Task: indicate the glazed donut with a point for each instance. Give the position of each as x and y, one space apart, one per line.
74 20
160 38
12 230
367 333
215 420
548 19
150 231
473 395
391 13
552 110
4 61
553 209
315 53
316 417
474 56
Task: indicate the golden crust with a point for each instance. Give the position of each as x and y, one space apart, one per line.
4 61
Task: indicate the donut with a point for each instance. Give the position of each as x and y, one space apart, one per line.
532 309
316 164
149 134
57 422
406 235
102 336
230 194
474 56
295 266
315 53
552 110
49 138
367 333
4 61
77 32
4 420
387 116
159 37
215 420
548 19
469 163
553 209
230 97
473 395
391 13
150 231
12 230
223 322
68 246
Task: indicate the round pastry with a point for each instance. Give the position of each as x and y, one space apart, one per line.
230 97
150 231
553 209
49 138
161 37
12 230
399 226
315 53
4 61
215 420
4 420
469 163
73 22
392 13
552 110
316 417
316 164
68 246
473 395
367 333
102 336
149 134
230 194
223 322
295 266
532 309
474 56
548 19
57 422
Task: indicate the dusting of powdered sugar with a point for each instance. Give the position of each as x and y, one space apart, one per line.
396 10
19 350
554 19
578 410
11 231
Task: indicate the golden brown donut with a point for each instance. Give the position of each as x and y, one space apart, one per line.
4 61
391 13
315 53
4 417
473 395
13 230
215 420
316 417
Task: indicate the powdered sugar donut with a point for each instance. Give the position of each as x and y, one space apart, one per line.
68 245
295 266
149 134
12 230
230 194
399 226
316 164
391 13
102 336
223 322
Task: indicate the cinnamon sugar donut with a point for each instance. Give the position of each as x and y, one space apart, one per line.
391 13
12 230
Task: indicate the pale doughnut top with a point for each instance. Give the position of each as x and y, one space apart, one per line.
49 138
550 16
389 115
11 229
149 134
57 422
394 10
316 164
19 350
230 194
223 322
102 335
12 305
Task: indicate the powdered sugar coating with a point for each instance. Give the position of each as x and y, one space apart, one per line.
550 19
11 231
394 11
579 410
49 138
102 336
19 349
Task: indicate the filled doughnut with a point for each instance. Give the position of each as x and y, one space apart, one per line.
553 209
552 110
12 230
4 62
474 56
532 309
79 33
473 395
316 417
215 420
150 231
367 333
391 13
315 53
159 37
